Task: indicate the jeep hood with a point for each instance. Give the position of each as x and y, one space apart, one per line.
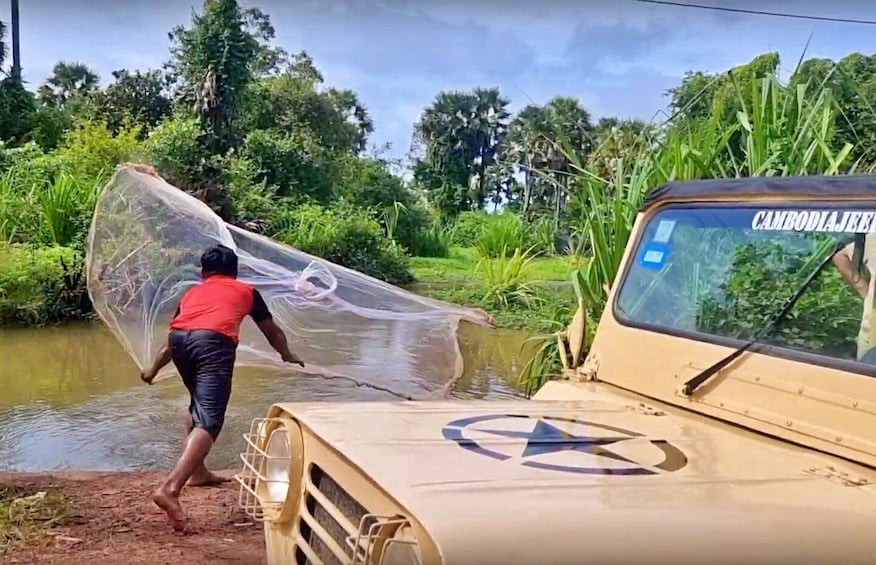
602 480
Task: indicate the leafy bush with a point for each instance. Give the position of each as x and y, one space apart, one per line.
175 147
345 236
89 149
469 227
41 285
367 183
426 240
291 162
256 204
415 229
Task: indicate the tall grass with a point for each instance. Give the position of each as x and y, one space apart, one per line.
504 231
779 131
507 277
52 212
65 205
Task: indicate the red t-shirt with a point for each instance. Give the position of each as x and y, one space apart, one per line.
219 303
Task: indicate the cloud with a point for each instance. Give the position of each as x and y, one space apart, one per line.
396 42
616 57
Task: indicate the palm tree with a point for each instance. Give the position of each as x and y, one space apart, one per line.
68 80
16 54
488 125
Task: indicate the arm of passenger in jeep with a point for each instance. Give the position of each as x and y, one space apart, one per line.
843 263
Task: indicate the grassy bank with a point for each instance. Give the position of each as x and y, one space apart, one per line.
519 294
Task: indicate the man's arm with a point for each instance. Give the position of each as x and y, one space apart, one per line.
272 332
843 263
162 358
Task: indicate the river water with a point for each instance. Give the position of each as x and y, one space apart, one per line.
71 398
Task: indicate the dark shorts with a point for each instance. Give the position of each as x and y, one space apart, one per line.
205 360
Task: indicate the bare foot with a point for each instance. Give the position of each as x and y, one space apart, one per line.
208 479
170 504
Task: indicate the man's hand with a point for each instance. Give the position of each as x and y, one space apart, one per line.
290 357
863 287
147 376
162 358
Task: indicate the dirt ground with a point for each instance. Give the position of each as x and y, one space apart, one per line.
110 518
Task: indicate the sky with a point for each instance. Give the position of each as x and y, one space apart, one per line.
618 57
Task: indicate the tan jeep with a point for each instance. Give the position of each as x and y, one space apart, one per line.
725 413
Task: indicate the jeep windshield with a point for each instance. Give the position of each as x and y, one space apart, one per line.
719 273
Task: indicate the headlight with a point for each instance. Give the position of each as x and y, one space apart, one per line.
275 486
401 549
272 463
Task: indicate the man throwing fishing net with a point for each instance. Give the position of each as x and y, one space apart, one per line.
202 345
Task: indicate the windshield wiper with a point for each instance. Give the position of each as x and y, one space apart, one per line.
704 375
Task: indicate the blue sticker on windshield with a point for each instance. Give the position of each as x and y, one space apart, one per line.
653 255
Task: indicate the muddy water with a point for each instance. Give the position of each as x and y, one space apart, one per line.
70 398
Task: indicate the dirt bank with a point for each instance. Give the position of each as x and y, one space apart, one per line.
66 518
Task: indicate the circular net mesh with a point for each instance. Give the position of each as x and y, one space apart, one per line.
143 253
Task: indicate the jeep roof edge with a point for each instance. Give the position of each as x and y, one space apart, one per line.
822 403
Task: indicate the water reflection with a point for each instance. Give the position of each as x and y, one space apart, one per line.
70 398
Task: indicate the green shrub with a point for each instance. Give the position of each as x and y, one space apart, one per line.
255 203
291 162
429 241
469 228
40 285
344 236
418 231
91 150
176 148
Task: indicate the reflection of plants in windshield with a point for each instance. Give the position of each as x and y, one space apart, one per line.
671 296
761 278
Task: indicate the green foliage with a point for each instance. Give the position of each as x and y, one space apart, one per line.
495 232
366 182
544 363
214 61
469 227
66 206
50 124
348 237
295 100
761 279
51 212
178 149
132 99
16 111
40 285
852 83
69 85
429 239
461 133
507 277
293 163
504 231
91 150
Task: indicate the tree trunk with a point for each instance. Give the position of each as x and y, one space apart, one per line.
527 186
16 53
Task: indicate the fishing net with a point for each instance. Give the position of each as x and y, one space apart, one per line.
144 247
